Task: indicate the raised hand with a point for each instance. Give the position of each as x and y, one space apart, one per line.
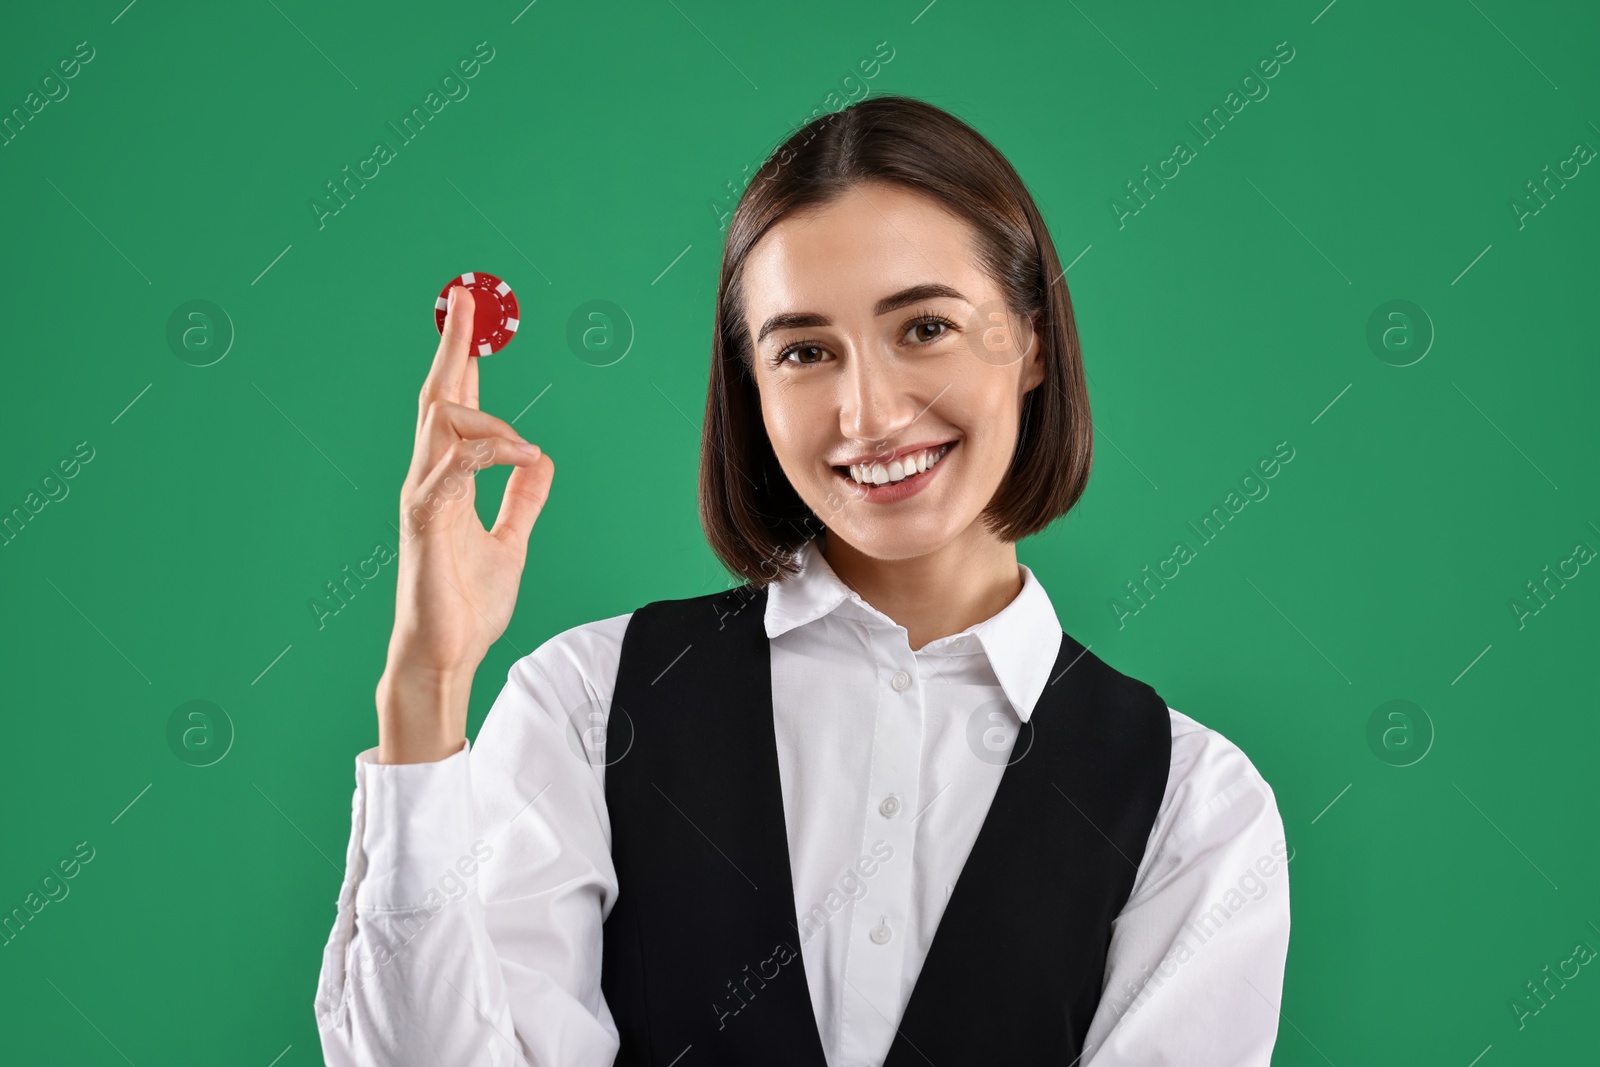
457 582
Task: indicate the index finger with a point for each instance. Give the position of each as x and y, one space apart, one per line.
444 379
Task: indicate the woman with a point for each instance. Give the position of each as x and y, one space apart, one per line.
873 805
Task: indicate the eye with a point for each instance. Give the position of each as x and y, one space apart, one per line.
922 322
805 348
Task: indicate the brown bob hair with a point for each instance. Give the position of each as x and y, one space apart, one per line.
751 514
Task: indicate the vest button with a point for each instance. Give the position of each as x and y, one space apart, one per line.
880 934
890 807
901 681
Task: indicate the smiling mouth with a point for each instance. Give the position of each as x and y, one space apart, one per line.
902 469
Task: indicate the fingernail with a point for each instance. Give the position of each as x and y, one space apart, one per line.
530 448
450 301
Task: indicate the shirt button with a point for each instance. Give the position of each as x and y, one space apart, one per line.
901 681
880 934
890 807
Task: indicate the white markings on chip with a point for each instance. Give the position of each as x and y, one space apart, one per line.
502 288
511 326
467 279
485 350
441 304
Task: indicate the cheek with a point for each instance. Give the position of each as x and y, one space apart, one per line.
985 410
796 422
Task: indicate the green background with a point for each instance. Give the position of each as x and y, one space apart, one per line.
587 163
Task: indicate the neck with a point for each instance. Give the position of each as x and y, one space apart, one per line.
942 593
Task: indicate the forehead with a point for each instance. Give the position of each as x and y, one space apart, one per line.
872 240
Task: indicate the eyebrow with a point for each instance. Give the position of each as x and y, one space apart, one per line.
793 320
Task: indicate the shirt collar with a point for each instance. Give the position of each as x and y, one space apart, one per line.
1021 641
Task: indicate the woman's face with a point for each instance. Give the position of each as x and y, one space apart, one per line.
879 342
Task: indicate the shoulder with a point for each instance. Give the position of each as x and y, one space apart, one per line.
705 612
1207 768
579 659
1217 805
550 696
566 684
585 658
1110 703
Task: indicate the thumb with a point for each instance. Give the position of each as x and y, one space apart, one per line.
526 492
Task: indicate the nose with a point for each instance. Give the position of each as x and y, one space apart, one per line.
875 403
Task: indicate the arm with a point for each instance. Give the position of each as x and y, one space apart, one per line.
410 973
469 926
1195 969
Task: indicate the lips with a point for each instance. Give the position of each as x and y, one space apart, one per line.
888 457
907 486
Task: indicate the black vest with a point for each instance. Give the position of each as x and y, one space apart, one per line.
701 962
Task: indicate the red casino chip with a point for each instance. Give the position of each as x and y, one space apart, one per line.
495 314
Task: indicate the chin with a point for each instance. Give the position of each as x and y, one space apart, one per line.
891 540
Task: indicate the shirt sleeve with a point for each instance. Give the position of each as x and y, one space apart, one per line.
468 927
1194 974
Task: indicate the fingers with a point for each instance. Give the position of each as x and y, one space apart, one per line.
445 417
450 361
526 492
451 479
455 439
444 424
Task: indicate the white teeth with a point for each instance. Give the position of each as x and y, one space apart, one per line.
900 469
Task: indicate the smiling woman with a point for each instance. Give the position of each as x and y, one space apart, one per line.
952 310
896 398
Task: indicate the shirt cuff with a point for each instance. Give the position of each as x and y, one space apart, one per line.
415 823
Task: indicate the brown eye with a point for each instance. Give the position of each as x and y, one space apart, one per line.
811 353
929 328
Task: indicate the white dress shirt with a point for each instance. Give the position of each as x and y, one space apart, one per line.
468 927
